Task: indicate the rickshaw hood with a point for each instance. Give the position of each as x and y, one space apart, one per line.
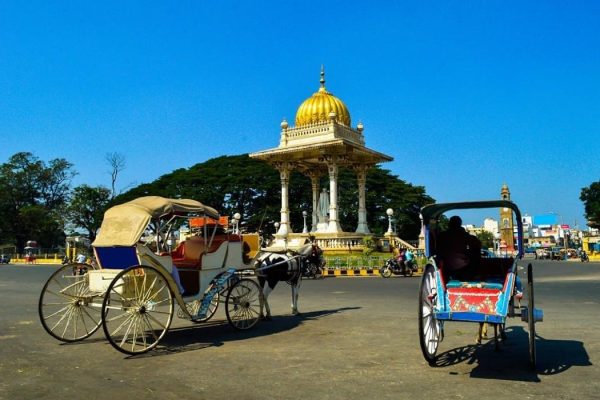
124 224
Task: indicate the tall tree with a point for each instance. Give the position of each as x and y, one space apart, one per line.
590 196
32 195
252 188
87 207
116 162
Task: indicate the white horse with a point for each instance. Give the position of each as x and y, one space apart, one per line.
287 267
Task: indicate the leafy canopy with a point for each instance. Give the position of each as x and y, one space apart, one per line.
590 196
251 187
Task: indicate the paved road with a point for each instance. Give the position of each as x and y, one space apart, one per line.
357 339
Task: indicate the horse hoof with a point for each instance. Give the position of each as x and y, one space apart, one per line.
266 318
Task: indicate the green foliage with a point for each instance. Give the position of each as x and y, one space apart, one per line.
252 188
369 245
87 207
590 196
486 238
33 195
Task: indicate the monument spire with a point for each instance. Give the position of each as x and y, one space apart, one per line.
322 80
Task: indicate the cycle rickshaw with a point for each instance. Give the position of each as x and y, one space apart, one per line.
138 278
487 298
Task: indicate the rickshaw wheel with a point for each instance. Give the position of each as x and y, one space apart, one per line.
137 309
430 329
243 304
66 306
531 316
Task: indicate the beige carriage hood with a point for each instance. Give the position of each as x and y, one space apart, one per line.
123 225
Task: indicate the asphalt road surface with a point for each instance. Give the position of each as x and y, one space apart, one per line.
357 339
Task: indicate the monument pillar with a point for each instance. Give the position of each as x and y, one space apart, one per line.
314 183
361 174
334 224
284 169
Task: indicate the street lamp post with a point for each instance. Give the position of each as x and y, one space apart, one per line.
389 213
236 221
497 243
304 215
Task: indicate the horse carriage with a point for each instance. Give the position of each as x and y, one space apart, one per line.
489 296
138 278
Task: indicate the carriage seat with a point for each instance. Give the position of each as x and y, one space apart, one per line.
188 254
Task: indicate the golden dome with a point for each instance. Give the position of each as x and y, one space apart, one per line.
322 107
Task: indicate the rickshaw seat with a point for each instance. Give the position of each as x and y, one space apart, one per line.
495 283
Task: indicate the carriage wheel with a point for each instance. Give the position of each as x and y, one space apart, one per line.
137 309
212 308
531 316
430 329
68 310
243 304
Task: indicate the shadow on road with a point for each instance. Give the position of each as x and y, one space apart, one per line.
511 362
217 333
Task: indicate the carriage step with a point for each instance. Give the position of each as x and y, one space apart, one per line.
538 314
215 287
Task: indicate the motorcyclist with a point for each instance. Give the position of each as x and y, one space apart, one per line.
409 258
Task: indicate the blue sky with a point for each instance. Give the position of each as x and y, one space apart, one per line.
464 95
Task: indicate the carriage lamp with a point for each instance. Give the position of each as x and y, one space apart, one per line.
304 215
389 213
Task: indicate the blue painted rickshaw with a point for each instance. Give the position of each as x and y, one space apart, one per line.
489 296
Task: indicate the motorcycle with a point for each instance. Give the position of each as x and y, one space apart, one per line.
394 267
312 271
584 257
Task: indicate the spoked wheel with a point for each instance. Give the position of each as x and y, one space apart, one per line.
243 304
137 309
531 316
68 310
386 272
430 329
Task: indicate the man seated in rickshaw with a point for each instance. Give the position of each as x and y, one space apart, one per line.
458 251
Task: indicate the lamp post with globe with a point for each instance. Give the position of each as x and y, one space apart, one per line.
390 214
236 223
304 215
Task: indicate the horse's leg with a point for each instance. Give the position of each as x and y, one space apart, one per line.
267 289
295 291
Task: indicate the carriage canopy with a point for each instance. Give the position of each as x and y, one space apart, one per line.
124 225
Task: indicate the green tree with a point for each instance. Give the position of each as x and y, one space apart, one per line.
486 238
33 195
590 196
251 187
87 206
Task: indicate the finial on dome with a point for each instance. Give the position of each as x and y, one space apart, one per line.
322 80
